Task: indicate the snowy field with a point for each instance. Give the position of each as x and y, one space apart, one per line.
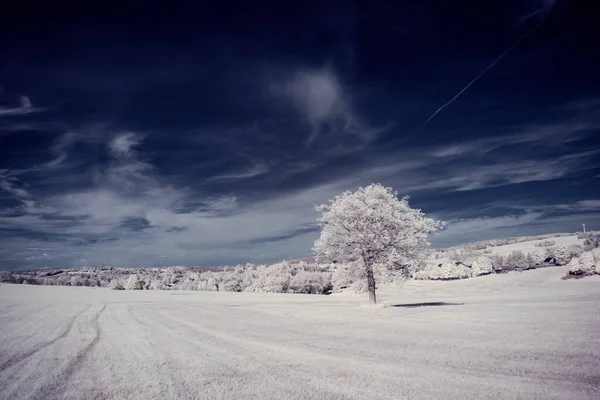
524 335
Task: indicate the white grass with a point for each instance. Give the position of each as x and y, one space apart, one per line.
516 336
529 246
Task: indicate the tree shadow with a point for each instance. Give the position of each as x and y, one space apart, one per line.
431 304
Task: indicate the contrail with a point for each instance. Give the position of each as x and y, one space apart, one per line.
496 61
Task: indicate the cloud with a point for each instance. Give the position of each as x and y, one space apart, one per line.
25 107
44 256
556 134
10 185
580 206
124 211
255 168
321 99
317 94
121 146
543 9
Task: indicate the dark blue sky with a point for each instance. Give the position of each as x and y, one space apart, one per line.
152 135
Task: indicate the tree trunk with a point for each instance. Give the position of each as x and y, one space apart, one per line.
371 283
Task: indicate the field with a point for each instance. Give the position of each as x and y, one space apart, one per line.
524 335
529 246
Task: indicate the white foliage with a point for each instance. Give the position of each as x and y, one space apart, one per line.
308 282
546 243
156 285
535 257
447 271
592 241
345 274
116 284
517 259
596 253
76 280
134 283
587 263
562 254
374 226
481 266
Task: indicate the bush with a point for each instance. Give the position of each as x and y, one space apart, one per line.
115 284
76 280
592 241
134 283
546 243
447 271
561 254
584 265
309 283
344 275
482 266
517 259
6 277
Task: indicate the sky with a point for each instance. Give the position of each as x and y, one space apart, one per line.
204 135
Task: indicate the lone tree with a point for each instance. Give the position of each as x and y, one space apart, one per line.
373 225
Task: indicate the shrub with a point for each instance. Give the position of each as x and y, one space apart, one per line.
584 265
482 266
115 284
309 282
134 283
535 258
561 254
6 277
546 243
517 259
76 280
592 241
447 271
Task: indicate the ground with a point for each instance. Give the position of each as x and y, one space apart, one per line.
526 335
529 246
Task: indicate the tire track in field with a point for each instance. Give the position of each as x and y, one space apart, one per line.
167 362
268 363
23 356
58 389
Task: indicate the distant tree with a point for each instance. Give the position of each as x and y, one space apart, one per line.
134 283
546 243
374 226
561 254
498 261
447 271
76 280
584 265
592 241
517 259
116 284
481 266
6 277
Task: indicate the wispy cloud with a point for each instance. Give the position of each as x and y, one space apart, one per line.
466 177
25 107
529 135
44 256
254 168
582 206
12 186
122 145
319 96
